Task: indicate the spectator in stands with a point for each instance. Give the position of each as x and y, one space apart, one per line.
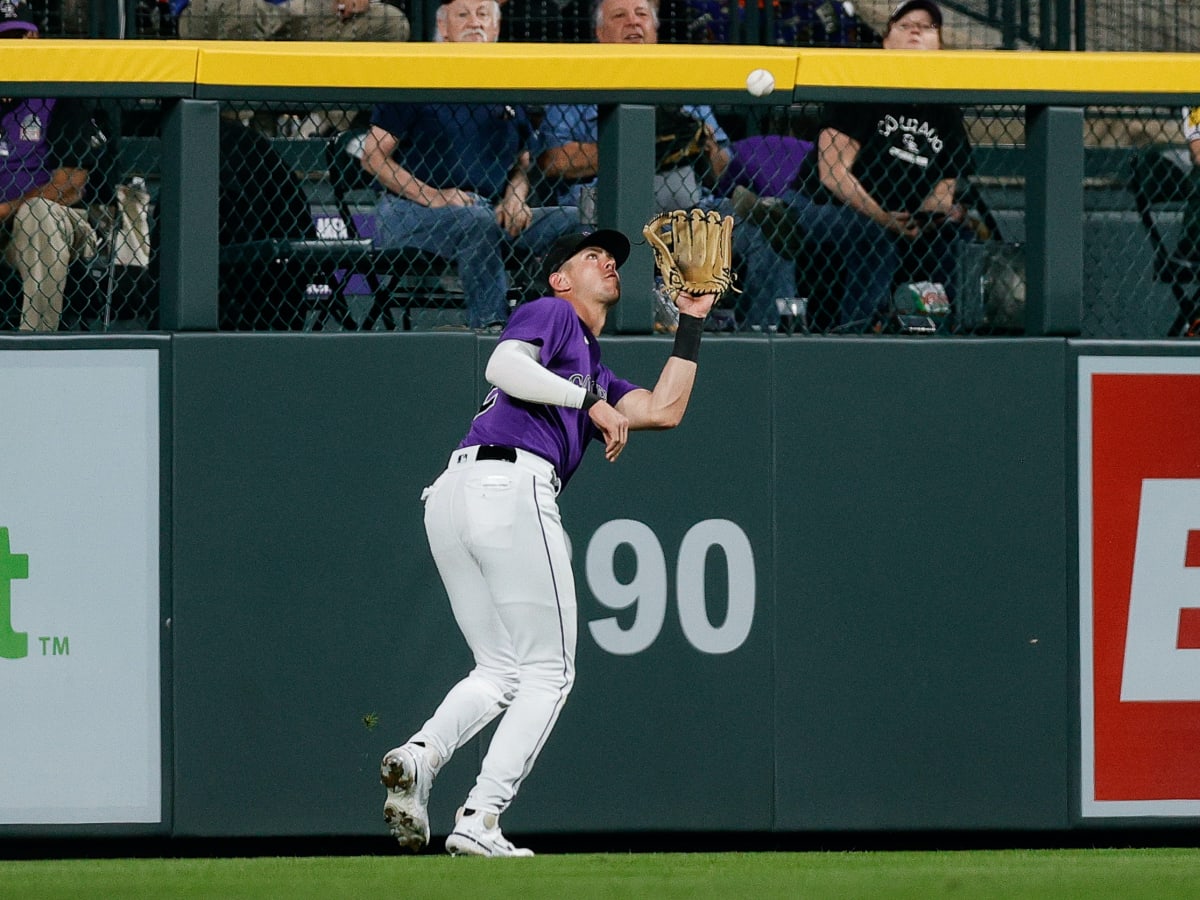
796 23
457 178
47 148
1189 234
290 20
762 165
883 175
689 139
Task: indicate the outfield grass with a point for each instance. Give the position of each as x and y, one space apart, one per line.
1155 874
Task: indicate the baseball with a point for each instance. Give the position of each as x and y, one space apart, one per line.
760 82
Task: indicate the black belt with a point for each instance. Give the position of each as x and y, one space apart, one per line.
496 452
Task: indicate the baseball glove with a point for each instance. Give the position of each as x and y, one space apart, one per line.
693 251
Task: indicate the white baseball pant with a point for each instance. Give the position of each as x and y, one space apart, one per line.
497 538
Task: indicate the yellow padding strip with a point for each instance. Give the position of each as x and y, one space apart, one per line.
1000 70
96 61
585 67
465 66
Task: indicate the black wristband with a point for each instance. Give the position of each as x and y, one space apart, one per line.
687 337
590 399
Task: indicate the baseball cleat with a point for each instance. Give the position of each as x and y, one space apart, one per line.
408 777
478 834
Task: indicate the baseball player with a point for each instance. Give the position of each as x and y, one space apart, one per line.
493 524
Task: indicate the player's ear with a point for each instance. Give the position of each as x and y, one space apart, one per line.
559 281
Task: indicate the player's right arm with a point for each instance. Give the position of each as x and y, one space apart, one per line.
515 367
377 159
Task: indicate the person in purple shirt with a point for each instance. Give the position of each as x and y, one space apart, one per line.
494 529
50 150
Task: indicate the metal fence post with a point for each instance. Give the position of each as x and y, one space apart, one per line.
1054 220
1062 23
625 200
189 216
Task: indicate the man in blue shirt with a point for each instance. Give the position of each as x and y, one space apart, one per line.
456 178
569 139
496 533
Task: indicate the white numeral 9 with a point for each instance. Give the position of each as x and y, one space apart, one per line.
648 589
648 586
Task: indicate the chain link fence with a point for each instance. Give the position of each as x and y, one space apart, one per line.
305 255
300 247
79 251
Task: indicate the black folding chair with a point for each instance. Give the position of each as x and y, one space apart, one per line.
405 277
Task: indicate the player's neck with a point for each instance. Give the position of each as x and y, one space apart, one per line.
593 314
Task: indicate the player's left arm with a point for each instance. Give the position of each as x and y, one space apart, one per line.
664 406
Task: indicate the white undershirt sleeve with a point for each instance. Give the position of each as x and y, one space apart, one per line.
514 367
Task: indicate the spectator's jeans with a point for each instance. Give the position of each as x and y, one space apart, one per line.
45 237
470 236
934 255
769 277
867 252
296 20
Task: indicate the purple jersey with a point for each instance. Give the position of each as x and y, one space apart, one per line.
24 146
569 349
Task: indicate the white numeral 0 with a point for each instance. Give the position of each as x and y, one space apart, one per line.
648 587
689 586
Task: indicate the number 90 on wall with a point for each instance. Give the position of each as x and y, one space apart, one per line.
647 592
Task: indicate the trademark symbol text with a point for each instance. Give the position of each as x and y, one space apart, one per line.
55 646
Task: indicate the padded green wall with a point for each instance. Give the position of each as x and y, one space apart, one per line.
908 660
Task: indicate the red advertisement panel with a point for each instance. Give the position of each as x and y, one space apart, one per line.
1143 613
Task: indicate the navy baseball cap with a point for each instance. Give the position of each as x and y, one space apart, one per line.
14 17
570 244
904 6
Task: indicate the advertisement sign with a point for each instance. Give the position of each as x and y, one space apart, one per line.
1139 579
80 730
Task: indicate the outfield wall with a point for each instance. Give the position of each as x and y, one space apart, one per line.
882 583
857 568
